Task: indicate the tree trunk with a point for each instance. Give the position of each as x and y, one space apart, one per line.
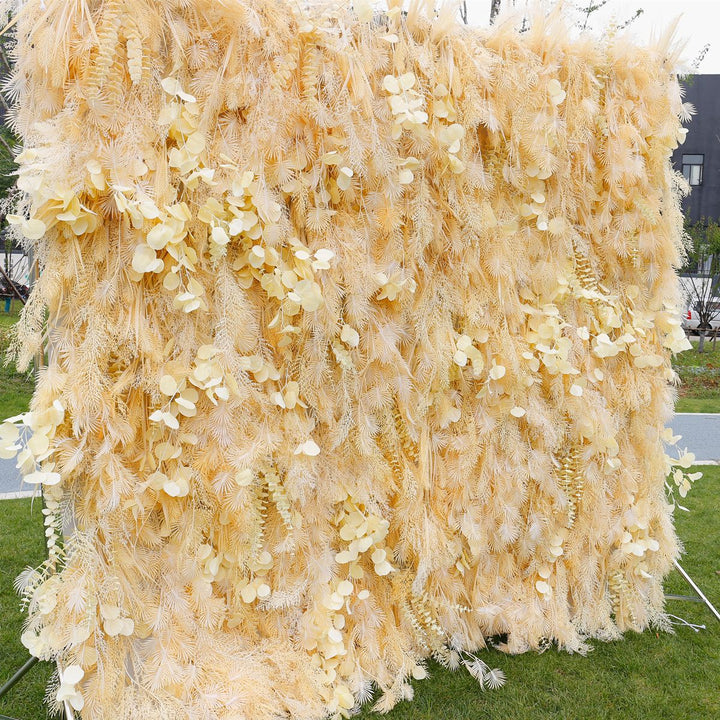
701 341
463 12
494 10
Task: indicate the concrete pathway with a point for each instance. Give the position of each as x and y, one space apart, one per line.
10 484
700 435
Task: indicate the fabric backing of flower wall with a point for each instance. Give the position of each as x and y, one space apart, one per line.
358 338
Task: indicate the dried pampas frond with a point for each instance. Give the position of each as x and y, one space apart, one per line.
359 328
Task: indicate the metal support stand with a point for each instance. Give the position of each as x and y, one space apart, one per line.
19 674
66 712
15 291
700 595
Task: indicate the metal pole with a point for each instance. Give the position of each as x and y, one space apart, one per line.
18 675
33 276
692 584
15 291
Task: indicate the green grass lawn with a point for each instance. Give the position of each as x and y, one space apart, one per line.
698 405
699 395
650 676
21 544
699 391
15 388
710 358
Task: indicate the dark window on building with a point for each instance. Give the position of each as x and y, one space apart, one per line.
692 168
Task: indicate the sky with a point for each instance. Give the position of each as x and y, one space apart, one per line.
699 22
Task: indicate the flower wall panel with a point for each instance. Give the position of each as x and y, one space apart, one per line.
359 331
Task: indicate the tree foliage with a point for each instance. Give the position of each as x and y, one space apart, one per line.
7 161
702 270
581 12
7 139
703 246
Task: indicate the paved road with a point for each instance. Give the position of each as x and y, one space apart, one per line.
700 434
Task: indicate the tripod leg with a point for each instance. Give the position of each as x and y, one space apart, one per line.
692 584
18 675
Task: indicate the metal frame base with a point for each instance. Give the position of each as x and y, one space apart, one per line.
700 595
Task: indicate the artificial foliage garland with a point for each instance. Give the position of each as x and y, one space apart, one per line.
358 330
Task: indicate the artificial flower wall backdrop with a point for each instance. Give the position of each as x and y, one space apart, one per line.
358 332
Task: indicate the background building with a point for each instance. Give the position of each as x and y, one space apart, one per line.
699 157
